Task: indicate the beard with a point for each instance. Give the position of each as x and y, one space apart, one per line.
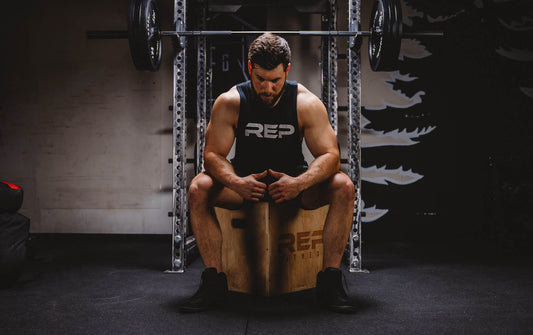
268 99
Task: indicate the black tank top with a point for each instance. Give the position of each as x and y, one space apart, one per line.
268 138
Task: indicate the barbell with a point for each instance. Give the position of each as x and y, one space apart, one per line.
144 34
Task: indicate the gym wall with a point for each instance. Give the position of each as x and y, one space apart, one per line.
85 134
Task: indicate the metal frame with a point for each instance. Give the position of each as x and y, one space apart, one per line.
329 64
354 131
329 95
179 176
201 93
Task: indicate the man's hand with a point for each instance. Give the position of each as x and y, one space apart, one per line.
250 188
286 188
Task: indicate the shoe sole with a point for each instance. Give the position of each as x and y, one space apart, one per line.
340 309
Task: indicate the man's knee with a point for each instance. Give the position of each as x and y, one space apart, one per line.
199 189
342 187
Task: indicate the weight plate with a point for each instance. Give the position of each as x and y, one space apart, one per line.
132 24
143 32
133 33
150 19
385 35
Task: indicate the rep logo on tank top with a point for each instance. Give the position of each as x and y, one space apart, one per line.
268 130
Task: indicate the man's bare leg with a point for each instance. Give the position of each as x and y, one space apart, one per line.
339 192
204 194
341 198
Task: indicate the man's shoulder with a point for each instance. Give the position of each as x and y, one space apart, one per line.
311 110
230 98
306 99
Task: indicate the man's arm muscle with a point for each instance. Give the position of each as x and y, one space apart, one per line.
219 137
319 137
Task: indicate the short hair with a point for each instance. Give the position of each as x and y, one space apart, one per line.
269 50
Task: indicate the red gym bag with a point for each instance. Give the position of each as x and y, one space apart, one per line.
14 233
10 197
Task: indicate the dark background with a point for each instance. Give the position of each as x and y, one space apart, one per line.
477 163
478 160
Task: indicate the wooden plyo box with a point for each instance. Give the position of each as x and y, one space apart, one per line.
271 249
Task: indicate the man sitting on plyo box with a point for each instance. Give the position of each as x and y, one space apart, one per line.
269 116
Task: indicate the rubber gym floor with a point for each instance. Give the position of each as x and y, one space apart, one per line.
116 284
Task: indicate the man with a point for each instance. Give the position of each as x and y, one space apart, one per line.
269 116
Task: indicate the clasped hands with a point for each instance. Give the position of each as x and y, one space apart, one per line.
283 189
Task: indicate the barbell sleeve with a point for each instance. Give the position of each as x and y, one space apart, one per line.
107 34
423 34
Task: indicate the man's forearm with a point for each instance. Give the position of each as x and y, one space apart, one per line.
320 169
220 168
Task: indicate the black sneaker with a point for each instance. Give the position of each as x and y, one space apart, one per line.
212 292
330 292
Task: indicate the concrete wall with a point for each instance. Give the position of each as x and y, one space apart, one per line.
81 130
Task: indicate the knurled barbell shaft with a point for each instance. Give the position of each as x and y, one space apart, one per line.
119 34
259 32
290 32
